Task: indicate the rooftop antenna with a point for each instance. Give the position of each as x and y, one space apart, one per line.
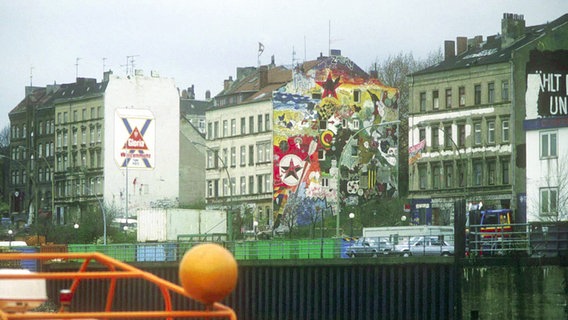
130 63
31 75
104 66
329 40
77 67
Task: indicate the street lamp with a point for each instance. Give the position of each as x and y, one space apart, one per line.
10 232
351 216
76 227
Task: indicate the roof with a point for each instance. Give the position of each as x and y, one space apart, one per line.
83 88
491 51
251 84
194 107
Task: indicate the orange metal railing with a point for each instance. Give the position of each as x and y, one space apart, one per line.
115 270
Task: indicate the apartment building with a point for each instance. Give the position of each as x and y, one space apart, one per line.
466 116
239 146
31 155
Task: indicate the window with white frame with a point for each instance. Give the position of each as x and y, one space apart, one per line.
477 133
548 201
491 131
548 145
505 130
243 155
243 185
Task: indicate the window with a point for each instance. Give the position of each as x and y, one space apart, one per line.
93 115
267 122
233 156
216 130
251 155
548 201
422 101
477 133
448 173
65 139
210 188
477 173
448 138
421 134
225 128
505 130
251 185
259 124
225 187
225 157
422 176
233 127
477 97
210 162
75 116
243 185
209 131
461 174
260 183
548 144
435 99
74 136
243 155
436 176
267 183
461 135
491 131
491 92
356 95
505 90
84 114
243 125
491 172
251 124
435 137
448 98
462 96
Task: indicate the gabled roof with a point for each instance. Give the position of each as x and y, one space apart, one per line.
251 86
491 51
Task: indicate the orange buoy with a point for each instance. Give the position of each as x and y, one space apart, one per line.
208 272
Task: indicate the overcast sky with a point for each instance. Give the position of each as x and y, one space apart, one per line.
203 42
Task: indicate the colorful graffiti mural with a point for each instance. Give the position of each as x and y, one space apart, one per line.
335 139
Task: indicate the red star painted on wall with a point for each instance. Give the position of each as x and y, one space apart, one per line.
329 86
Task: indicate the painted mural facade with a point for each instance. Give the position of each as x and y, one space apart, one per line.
335 140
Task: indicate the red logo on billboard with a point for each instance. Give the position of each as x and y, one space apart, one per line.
135 141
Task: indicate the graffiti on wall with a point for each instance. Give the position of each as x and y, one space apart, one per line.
335 139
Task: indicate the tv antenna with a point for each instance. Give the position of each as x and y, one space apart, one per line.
130 64
77 67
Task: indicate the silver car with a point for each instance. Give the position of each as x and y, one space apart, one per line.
425 246
369 247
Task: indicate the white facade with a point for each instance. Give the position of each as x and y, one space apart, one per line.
547 175
141 154
241 136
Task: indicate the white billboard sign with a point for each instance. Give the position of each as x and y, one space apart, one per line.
135 138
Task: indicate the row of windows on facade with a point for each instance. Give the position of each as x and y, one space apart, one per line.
229 158
447 133
20 132
78 187
20 176
95 135
477 98
262 125
485 172
95 113
263 184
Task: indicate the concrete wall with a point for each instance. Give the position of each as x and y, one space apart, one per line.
515 292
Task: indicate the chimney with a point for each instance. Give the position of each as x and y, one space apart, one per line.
106 75
263 77
449 49
227 83
272 61
475 42
462 45
207 95
512 28
374 74
191 92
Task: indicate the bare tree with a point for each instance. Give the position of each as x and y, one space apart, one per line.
551 201
4 140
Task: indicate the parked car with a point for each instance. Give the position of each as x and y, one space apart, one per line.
425 246
369 247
